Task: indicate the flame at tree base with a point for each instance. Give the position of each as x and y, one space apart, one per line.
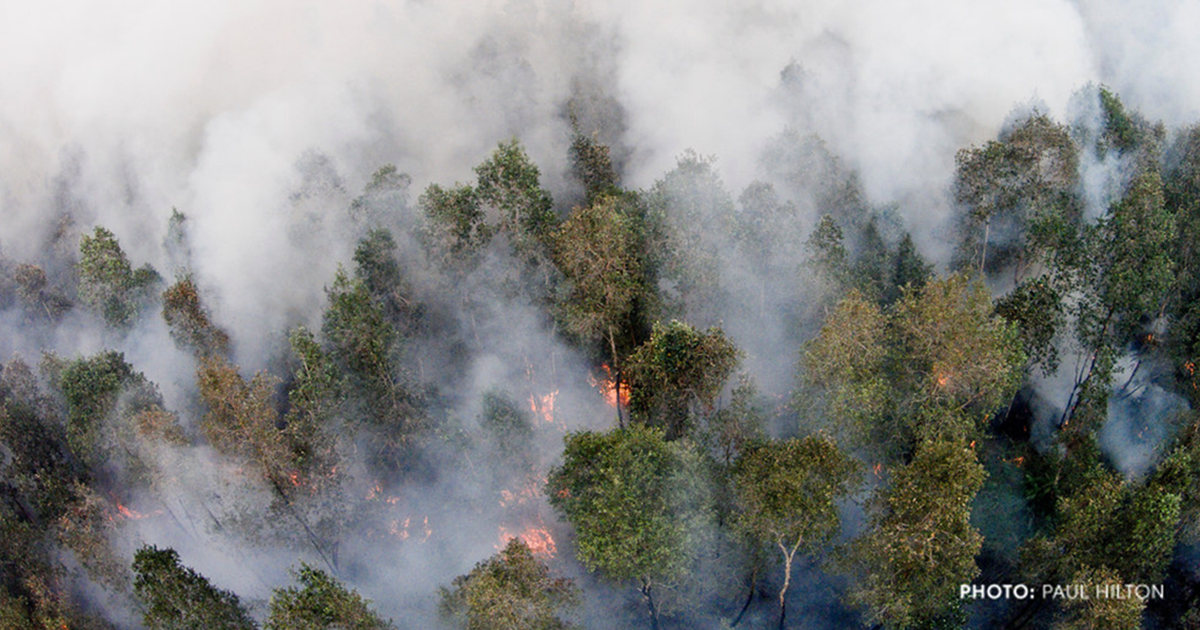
538 539
543 406
134 515
611 392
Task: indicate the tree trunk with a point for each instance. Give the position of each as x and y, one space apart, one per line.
749 598
987 228
788 555
650 604
616 375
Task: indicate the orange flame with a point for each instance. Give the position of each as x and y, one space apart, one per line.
1016 461
537 538
376 491
543 406
877 468
398 529
608 390
134 515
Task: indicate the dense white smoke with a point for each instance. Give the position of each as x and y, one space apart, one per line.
133 108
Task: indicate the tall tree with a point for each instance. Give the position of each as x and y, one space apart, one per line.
321 602
103 394
632 499
788 492
937 365
177 598
512 590
508 182
241 419
688 208
1122 276
385 196
597 251
189 321
591 164
920 545
454 232
366 348
506 201
38 296
108 284
376 265
677 374
1009 186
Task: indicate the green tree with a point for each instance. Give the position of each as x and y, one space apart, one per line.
108 284
508 201
377 267
911 272
688 208
362 342
788 492
870 270
1182 198
177 244
241 420
845 363
190 324
384 196
42 496
1007 186
454 231
1036 308
1123 276
508 181
591 164
1112 523
314 399
1109 613
103 395
37 295
41 468
676 375
938 364
1179 473
509 428
736 425
827 256
597 251
512 590
321 603
920 545
954 351
366 349
1124 132
631 497
766 232
177 598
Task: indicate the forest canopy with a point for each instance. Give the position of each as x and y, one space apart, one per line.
551 399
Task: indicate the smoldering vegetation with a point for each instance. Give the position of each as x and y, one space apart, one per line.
548 315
